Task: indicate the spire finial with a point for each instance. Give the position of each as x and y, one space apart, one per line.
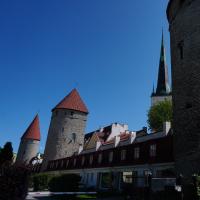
162 84
162 41
153 89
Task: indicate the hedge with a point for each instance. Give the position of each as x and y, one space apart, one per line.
40 181
14 182
65 183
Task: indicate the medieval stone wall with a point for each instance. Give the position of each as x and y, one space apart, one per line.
27 150
184 20
66 134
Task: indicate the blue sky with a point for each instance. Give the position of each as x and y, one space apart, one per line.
107 49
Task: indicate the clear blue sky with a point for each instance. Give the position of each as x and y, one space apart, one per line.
108 49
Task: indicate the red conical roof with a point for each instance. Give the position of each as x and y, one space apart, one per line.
33 131
72 101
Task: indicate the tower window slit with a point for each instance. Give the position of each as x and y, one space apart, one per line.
180 47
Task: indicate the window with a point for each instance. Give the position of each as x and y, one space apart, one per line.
67 163
83 160
73 137
123 154
136 153
110 158
100 158
153 150
52 165
74 161
91 177
91 159
180 47
56 164
61 165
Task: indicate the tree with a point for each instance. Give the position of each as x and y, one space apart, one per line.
6 153
158 114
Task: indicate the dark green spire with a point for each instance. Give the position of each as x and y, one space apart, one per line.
162 83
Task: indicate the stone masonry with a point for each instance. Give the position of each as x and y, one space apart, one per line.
66 133
27 150
184 26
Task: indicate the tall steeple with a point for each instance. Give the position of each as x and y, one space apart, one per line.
163 91
163 82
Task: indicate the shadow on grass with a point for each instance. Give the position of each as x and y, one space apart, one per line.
68 197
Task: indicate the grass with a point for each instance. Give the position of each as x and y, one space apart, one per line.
73 197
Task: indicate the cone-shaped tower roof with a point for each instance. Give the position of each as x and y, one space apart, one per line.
72 101
33 131
163 82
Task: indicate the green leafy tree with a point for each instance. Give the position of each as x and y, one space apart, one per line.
6 153
158 114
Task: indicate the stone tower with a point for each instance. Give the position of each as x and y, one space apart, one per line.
184 26
163 89
29 145
66 131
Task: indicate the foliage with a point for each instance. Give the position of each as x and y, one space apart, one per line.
6 154
40 181
13 182
65 183
158 114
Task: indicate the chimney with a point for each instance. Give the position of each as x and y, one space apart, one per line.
80 149
166 127
133 136
117 140
98 144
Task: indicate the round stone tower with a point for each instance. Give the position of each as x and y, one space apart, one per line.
29 145
66 131
184 26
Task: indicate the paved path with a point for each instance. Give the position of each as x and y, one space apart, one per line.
46 196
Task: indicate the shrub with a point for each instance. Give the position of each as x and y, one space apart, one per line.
6 154
14 182
65 183
40 181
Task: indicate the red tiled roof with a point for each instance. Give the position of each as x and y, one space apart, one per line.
72 101
33 131
111 141
124 136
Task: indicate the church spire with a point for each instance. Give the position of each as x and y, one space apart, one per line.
162 83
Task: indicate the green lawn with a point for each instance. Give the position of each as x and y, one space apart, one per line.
76 197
